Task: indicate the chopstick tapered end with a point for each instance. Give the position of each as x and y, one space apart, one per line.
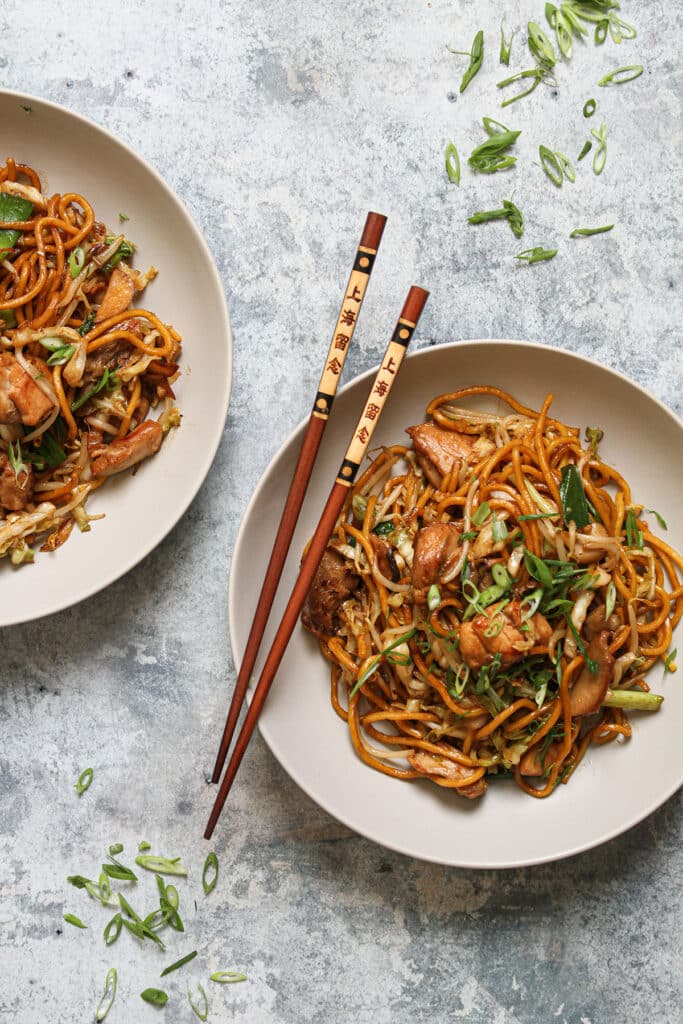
414 304
373 230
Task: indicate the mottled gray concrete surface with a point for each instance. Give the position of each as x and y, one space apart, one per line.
279 124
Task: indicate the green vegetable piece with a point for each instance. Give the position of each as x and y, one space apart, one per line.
633 700
452 163
589 108
61 355
537 568
227 977
87 325
587 146
113 929
540 46
536 255
120 872
619 76
600 156
601 30
200 1007
383 529
482 514
574 504
108 380
13 209
155 996
124 252
610 599
372 667
508 212
75 921
476 58
179 963
669 661
536 74
108 996
634 535
566 165
587 232
433 598
551 165
144 845
162 865
210 873
660 518
76 261
84 780
505 46
490 156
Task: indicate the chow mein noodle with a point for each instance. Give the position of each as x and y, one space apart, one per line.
80 370
491 600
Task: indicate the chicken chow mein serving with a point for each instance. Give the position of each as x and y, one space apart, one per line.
80 370
491 600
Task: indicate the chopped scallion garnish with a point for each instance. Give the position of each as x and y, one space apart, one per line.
179 963
162 865
84 780
76 921
452 163
227 977
76 261
620 75
589 108
200 1007
156 996
536 255
433 597
210 873
476 56
108 996
587 232
482 513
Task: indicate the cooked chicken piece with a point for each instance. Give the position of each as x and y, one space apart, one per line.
532 765
118 296
595 622
485 545
333 583
437 550
14 496
142 442
386 563
431 764
589 690
21 400
511 643
438 450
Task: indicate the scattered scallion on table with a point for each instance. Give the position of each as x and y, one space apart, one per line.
227 977
587 232
476 55
210 873
452 164
505 46
536 255
178 963
155 996
84 780
200 1006
621 75
108 996
75 921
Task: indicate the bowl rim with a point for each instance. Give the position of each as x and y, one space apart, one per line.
209 452
272 744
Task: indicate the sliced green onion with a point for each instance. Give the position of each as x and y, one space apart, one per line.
540 694
538 515
460 680
536 255
620 75
587 232
600 157
77 261
227 977
537 74
573 495
84 780
87 325
551 165
452 163
113 929
76 921
210 873
119 871
501 576
162 865
633 700
155 996
491 155
107 380
601 30
505 46
433 597
499 529
200 1008
537 568
16 461
179 963
610 599
587 146
529 606
61 355
589 108
104 886
660 519
144 845
540 46
669 660
108 996
634 535
591 665
482 513
566 165
115 849
476 58
495 625
123 217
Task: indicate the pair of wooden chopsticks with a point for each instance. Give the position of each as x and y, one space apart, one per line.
379 392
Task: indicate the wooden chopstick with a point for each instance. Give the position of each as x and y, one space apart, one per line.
379 392
322 406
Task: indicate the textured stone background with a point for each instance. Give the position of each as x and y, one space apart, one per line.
279 124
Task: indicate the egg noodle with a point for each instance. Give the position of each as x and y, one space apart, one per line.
80 369
491 600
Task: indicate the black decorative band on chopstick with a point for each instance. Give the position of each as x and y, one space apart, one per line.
365 260
347 473
322 407
403 333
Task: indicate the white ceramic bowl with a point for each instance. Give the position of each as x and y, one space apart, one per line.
75 155
615 786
